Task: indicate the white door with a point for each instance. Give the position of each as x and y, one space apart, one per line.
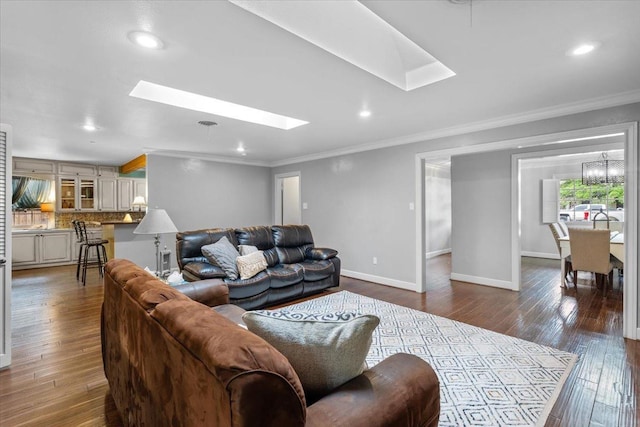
287 199
5 246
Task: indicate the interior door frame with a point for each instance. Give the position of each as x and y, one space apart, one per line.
5 270
569 138
277 194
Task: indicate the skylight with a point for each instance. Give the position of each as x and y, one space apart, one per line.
351 31
193 101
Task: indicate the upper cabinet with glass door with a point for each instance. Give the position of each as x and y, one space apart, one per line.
77 193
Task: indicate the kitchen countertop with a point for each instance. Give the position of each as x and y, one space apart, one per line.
119 222
46 230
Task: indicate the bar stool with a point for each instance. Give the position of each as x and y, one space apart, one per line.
85 248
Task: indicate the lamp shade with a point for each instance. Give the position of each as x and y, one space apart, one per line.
156 221
46 207
138 201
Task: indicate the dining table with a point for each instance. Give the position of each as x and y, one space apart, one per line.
616 247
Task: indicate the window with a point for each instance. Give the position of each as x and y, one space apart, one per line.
579 202
27 196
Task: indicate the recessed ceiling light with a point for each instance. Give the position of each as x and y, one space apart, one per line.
583 49
205 104
365 113
240 149
89 127
146 40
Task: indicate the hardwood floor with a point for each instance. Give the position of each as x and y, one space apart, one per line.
56 377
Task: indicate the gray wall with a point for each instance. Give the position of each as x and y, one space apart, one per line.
537 239
359 205
481 223
205 194
358 202
437 199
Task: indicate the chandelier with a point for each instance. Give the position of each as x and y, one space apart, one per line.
603 171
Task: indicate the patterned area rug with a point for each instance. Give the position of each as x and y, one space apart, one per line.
486 378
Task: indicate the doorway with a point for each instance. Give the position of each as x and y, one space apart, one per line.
288 208
557 141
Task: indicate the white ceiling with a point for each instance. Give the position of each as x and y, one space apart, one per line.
62 62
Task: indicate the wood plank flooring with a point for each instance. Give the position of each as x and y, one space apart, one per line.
56 378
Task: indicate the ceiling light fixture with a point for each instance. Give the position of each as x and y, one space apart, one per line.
89 127
193 101
603 171
240 149
365 113
145 39
583 49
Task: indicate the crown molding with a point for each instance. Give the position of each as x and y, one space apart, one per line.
608 101
208 157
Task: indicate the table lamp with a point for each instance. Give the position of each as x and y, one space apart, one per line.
157 222
139 202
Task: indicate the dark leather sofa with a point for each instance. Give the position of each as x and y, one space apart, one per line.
295 267
171 360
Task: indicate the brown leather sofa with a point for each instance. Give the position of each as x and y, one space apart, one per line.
295 267
171 360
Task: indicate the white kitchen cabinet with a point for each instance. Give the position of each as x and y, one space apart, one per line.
30 166
77 193
41 248
140 188
107 194
125 194
108 171
77 169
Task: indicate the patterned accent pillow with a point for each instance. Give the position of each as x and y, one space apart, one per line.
223 254
324 354
247 249
250 265
338 316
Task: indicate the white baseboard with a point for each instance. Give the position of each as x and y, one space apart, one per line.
540 255
379 279
434 254
503 284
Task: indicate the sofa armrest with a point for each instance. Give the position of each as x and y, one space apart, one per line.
319 254
211 292
402 390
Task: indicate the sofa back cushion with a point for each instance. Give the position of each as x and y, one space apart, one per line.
292 242
262 238
180 360
189 243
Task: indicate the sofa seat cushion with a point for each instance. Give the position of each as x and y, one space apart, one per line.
285 275
317 270
204 270
243 288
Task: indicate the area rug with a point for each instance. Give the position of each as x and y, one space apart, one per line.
486 378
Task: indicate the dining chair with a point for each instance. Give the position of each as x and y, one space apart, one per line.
590 252
558 232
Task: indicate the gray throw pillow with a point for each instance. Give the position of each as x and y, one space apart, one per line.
223 254
324 354
247 249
